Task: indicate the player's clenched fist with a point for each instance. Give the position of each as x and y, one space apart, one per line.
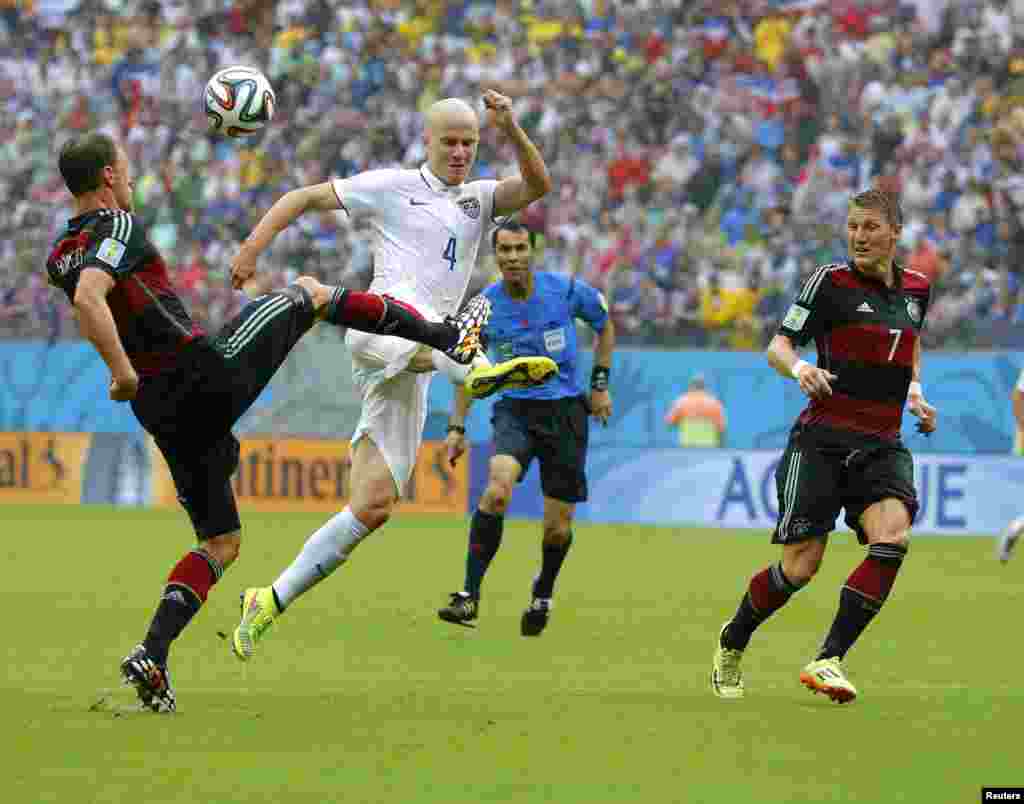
499 110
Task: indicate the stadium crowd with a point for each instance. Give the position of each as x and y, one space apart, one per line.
702 152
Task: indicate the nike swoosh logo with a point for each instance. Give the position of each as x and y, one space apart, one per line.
416 203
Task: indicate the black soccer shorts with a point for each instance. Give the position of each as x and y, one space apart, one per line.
825 470
190 411
555 431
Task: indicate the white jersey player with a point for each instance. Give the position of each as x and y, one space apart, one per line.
428 225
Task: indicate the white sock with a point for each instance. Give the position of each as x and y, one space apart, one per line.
322 554
456 372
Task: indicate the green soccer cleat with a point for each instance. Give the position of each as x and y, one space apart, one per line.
259 610
520 372
726 673
827 677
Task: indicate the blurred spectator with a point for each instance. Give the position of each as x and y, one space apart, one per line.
698 416
703 151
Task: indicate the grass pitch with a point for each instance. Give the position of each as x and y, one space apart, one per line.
360 694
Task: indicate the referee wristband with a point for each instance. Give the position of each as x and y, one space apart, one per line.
797 366
599 378
456 428
915 388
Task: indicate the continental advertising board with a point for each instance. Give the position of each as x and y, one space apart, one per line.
314 475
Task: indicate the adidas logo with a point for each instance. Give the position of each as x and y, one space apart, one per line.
865 308
176 596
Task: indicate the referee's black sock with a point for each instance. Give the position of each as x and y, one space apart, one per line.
484 541
768 592
552 556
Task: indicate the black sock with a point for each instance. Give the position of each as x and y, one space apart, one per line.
862 597
371 312
855 612
187 587
484 541
769 591
552 556
177 607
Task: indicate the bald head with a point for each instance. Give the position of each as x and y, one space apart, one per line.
450 111
452 133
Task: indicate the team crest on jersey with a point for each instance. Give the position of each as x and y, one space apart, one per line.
471 206
914 310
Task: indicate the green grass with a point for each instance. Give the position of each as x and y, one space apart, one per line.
361 695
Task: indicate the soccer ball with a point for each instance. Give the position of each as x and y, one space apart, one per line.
239 101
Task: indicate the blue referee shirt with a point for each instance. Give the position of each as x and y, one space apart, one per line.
543 325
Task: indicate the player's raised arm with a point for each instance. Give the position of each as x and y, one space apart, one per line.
534 181
97 325
287 209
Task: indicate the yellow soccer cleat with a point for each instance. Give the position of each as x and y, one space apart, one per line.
520 372
726 673
827 677
259 610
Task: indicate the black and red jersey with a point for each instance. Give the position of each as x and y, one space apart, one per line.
865 334
150 318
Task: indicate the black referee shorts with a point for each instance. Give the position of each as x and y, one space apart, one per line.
190 411
825 470
555 431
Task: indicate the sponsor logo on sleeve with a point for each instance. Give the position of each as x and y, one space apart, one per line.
796 318
111 252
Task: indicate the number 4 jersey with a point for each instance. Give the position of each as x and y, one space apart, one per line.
865 334
426 233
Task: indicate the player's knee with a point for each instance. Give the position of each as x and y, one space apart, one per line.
556 532
225 548
497 496
801 566
374 510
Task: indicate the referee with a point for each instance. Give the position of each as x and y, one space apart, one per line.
533 314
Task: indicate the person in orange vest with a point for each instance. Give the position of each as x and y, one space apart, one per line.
699 416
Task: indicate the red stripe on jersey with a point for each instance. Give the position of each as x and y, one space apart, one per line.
873 344
844 412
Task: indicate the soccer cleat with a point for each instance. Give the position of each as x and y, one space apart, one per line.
151 680
1008 540
535 618
461 609
469 322
827 677
259 610
726 673
520 372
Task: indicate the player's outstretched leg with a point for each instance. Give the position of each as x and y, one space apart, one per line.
457 336
1008 540
151 680
827 677
520 372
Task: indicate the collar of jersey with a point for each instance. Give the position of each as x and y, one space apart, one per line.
897 273
434 183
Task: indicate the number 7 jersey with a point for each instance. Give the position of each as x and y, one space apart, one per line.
426 234
865 334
